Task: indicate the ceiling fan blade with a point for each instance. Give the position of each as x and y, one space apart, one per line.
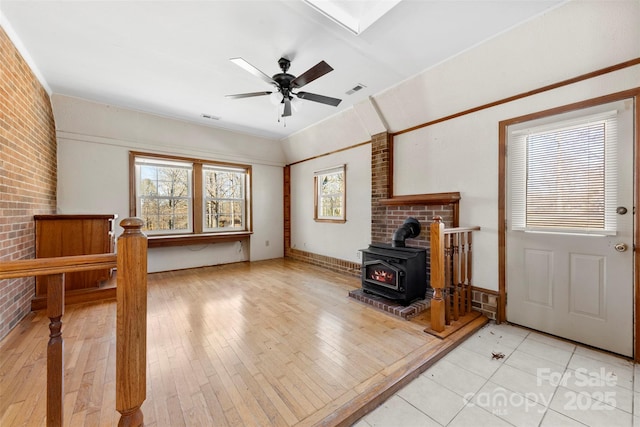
247 95
287 107
318 70
319 98
253 70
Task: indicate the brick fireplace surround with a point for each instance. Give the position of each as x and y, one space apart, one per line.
387 214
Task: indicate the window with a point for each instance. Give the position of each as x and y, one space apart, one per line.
563 176
224 201
184 196
164 195
329 196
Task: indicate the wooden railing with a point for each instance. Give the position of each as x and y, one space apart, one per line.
131 332
451 273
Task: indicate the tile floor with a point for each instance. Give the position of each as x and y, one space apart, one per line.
540 381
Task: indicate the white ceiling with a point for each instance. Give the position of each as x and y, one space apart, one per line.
172 57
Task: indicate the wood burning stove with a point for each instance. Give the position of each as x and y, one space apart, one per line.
396 271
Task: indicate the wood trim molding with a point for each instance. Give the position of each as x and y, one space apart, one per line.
56 265
73 217
423 199
636 240
195 239
330 153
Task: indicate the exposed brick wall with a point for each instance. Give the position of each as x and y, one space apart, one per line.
333 264
396 215
380 185
485 302
287 210
28 173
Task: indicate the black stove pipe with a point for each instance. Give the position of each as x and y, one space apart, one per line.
408 230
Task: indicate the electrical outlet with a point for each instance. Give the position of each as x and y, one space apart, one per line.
266 243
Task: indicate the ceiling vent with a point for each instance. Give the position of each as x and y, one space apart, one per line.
354 89
209 116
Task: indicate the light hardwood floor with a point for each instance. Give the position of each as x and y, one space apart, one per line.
257 344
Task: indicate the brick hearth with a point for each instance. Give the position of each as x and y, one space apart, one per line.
392 307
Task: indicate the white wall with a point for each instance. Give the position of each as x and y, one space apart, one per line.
94 141
462 154
338 240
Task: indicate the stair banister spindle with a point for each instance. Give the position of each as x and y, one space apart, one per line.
55 351
469 270
464 282
448 269
454 285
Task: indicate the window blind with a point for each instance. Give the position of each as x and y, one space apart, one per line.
563 176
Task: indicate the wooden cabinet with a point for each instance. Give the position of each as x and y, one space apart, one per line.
64 235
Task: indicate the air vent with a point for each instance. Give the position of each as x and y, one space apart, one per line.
209 116
354 89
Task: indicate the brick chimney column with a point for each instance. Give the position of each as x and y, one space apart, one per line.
380 185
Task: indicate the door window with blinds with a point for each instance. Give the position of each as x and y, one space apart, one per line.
563 176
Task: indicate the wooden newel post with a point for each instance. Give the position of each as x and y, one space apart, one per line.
55 351
437 274
131 329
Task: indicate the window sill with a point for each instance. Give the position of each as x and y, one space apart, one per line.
196 239
335 221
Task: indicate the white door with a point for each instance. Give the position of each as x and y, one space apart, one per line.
570 267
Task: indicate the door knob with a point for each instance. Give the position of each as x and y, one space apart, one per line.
620 247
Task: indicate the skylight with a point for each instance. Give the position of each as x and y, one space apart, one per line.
355 16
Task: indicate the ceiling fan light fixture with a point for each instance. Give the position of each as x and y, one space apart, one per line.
275 98
297 105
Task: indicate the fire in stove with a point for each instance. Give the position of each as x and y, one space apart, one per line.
387 277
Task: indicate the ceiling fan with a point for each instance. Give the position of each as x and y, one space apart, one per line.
286 83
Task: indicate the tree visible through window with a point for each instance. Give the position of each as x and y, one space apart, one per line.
330 195
176 195
164 201
224 198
